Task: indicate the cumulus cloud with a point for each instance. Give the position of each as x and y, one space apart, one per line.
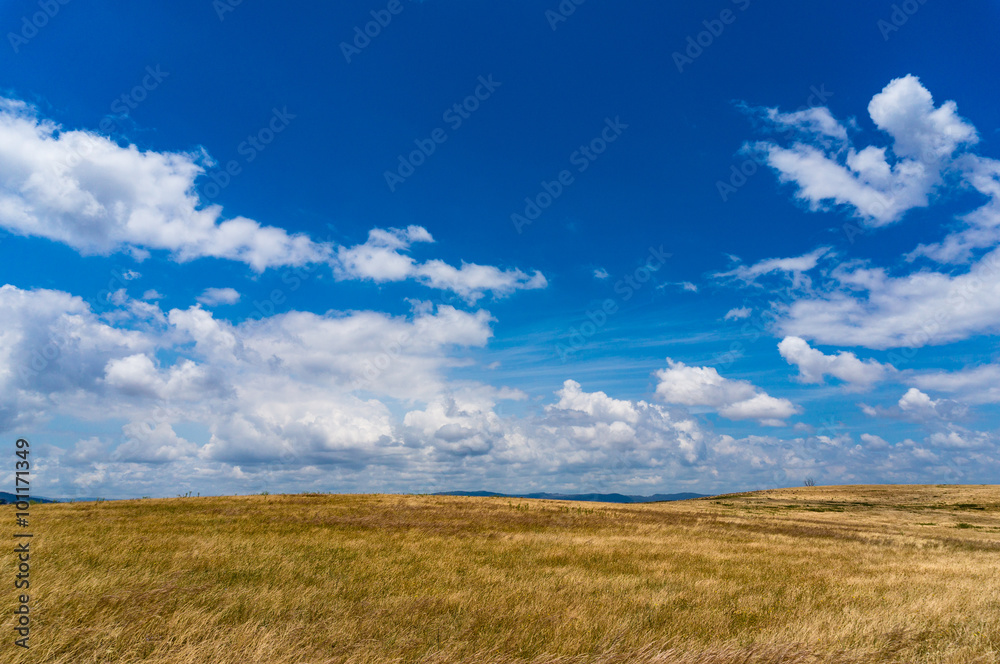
978 229
596 404
919 406
86 191
979 384
313 401
58 356
915 401
289 414
813 365
958 438
333 400
98 197
733 399
153 444
880 184
620 432
864 306
874 442
53 347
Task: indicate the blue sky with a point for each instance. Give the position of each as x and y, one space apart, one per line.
510 246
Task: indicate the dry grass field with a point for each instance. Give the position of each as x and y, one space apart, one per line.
841 574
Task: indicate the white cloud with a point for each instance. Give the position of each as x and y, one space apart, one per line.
596 404
685 286
813 365
979 228
154 444
879 187
974 385
614 432
811 122
137 375
601 273
53 347
795 266
869 308
874 442
86 191
919 406
380 260
918 403
957 438
733 399
308 400
905 110
287 415
215 296
738 314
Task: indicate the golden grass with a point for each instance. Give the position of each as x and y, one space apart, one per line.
823 574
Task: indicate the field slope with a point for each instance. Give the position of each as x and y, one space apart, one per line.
841 574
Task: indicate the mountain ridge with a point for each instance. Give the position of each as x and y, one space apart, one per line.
10 498
582 497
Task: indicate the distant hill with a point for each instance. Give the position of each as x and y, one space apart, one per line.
589 497
7 498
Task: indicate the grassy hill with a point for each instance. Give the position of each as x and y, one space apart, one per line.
845 574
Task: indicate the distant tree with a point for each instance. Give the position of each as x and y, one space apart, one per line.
810 482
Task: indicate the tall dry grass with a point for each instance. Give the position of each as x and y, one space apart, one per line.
845 574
